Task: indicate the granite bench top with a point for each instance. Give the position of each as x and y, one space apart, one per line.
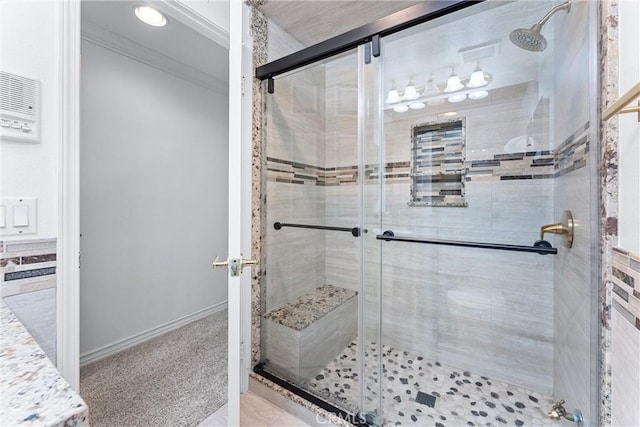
33 391
310 307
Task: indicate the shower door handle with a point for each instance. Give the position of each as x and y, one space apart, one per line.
235 265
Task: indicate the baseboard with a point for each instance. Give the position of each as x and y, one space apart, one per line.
125 343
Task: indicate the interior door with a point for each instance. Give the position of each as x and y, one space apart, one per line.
239 223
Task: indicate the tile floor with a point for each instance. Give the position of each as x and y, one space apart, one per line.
255 411
421 392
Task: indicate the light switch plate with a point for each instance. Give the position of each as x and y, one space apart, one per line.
20 216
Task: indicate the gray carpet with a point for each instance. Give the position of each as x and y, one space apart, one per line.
177 379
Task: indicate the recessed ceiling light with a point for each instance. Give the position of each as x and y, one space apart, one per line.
150 16
400 108
450 114
416 105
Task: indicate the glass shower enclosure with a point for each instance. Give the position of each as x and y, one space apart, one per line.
428 254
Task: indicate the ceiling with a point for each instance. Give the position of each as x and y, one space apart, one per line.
174 46
313 21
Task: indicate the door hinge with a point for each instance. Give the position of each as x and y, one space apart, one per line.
242 85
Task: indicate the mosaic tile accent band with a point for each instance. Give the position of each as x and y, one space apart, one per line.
571 155
625 280
530 165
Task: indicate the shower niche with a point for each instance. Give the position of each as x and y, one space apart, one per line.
378 302
438 164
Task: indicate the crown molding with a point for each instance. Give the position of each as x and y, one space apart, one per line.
196 21
109 40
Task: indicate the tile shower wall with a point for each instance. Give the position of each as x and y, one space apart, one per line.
489 309
625 339
572 297
294 117
483 324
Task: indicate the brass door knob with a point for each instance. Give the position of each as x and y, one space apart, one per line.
235 265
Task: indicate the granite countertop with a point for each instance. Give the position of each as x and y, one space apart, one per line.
33 391
310 307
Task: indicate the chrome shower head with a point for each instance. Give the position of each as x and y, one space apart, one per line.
532 38
529 39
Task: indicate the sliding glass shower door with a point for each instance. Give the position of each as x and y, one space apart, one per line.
419 206
313 304
477 137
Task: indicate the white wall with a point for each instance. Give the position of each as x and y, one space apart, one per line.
153 197
29 46
629 141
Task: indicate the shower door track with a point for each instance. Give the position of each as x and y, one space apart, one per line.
407 18
353 419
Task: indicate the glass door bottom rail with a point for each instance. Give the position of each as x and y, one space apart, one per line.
422 392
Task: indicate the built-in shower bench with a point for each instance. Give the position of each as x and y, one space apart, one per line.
302 337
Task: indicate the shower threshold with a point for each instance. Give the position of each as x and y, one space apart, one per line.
350 417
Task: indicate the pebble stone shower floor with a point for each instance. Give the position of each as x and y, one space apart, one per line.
462 398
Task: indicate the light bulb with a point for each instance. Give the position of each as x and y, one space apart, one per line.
401 108
417 105
150 16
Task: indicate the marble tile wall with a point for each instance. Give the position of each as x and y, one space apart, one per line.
625 338
27 266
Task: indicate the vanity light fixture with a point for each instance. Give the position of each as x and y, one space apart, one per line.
400 108
431 89
410 92
453 82
417 105
393 96
477 78
150 16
